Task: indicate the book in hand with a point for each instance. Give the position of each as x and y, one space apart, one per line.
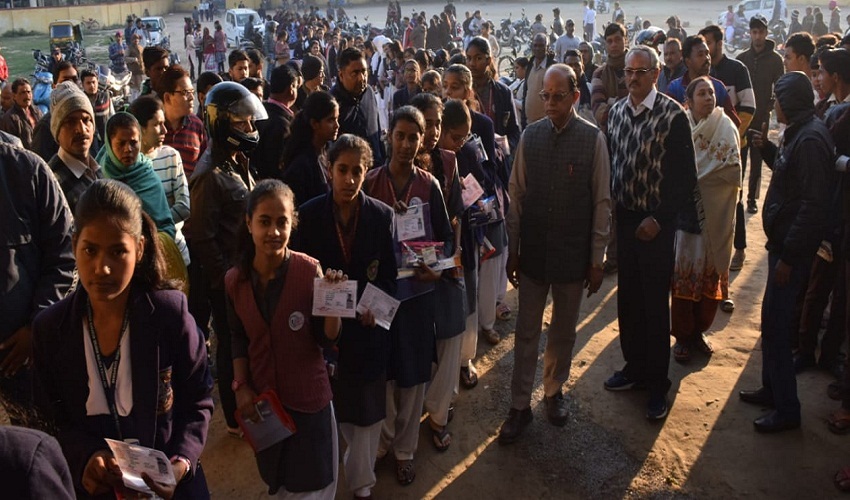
273 425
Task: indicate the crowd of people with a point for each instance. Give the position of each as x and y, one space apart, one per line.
135 236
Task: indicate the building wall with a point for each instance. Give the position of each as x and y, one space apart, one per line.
107 14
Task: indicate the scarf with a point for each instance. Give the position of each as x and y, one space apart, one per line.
141 178
716 146
610 80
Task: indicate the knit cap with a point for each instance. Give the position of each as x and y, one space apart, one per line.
66 98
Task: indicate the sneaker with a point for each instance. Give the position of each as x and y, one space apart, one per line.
657 408
492 336
556 409
516 422
738 260
752 207
620 382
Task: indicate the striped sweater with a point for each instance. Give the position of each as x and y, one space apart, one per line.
169 168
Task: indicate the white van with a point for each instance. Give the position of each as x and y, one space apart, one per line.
764 8
234 24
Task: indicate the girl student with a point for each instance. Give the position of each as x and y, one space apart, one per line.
166 163
121 357
401 184
451 291
277 344
122 160
457 84
347 230
304 157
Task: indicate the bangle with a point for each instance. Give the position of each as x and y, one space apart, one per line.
656 222
179 458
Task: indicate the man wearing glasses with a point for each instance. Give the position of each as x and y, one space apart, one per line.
653 175
557 229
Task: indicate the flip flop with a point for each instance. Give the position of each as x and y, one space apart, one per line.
842 479
503 311
442 438
703 344
468 378
838 425
681 353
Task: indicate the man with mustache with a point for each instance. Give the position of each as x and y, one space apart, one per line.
697 60
358 109
22 117
72 125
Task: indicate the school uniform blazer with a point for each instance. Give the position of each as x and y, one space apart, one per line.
363 351
172 386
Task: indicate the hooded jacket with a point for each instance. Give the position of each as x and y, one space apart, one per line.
765 68
795 215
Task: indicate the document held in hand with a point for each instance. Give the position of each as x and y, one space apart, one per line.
273 423
134 460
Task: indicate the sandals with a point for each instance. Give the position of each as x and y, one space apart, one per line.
842 479
702 343
441 438
727 306
503 311
681 353
468 378
405 473
451 414
838 424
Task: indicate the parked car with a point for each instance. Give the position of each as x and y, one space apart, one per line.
156 30
234 24
772 10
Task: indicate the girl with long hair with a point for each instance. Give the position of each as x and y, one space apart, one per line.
121 357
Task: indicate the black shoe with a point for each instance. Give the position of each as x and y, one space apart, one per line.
556 409
620 382
803 361
517 421
773 422
657 407
761 397
752 207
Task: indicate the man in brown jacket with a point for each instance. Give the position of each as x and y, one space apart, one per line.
21 118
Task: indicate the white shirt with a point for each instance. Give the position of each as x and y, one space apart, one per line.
77 167
589 16
647 103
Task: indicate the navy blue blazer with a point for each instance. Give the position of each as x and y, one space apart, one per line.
172 386
363 351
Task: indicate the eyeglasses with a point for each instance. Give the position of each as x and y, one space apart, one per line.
636 71
187 93
556 97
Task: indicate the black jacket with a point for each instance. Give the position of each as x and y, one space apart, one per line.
797 201
359 116
274 132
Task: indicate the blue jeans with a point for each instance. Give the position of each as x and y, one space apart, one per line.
777 373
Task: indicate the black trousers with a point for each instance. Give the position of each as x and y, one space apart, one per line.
643 300
223 355
825 278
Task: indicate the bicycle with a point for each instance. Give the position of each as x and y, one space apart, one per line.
90 23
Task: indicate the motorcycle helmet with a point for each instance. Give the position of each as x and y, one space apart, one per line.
225 102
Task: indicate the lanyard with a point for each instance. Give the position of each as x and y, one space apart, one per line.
407 191
108 386
350 230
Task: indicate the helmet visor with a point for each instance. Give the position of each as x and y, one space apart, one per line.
248 107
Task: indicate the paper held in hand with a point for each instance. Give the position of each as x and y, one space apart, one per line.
472 191
134 460
382 305
411 224
334 299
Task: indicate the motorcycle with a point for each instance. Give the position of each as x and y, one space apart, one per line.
506 33
173 57
117 85
740 40
42 83
778 31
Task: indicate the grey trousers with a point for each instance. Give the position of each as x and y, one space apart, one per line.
557 357
359 458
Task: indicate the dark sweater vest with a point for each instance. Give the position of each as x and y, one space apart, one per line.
557 211
284 357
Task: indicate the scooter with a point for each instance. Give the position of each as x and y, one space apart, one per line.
42 83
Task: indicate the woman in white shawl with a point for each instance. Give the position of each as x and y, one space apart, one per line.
701 274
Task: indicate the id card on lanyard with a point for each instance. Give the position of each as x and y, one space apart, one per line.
108 383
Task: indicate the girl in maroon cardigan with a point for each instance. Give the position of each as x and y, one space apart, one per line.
277 344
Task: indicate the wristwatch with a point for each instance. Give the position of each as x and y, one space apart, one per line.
236 384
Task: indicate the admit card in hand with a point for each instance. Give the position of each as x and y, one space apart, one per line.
335 300
411 224
382 305
472 191
135 460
